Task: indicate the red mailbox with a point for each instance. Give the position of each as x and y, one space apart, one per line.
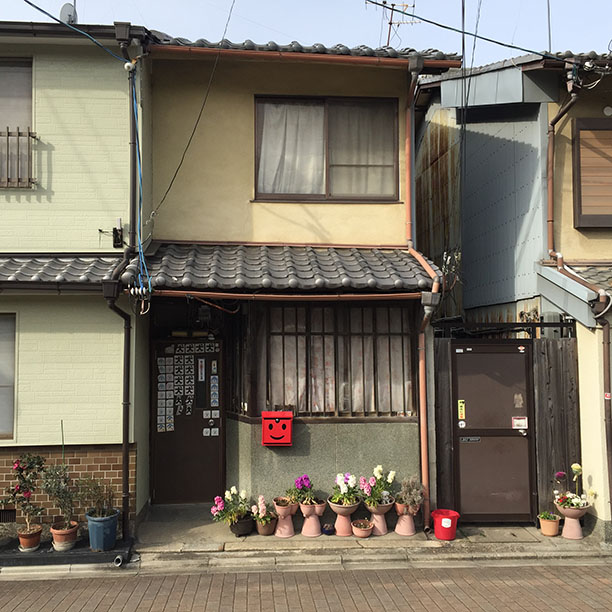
276 428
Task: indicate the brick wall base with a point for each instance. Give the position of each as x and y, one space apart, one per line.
101 461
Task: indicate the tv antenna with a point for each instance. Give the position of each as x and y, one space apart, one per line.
406 7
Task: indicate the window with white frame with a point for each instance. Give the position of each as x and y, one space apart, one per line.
16 134
326 149
7 375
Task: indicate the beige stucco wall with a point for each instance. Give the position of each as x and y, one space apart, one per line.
211 197
69 367
584 244
592 425
80 114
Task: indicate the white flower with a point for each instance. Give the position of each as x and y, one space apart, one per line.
228 496
378 471
556 492
339 479
352 481
343 489
243 494
391 477
233 490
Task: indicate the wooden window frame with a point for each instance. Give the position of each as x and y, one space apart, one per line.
585 221
326 197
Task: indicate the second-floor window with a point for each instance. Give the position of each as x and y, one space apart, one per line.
326 149
15 123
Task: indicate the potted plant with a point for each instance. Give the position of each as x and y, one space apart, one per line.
344 500
283 509
58 485
377 497
311 507
102 516
293 495
265 519
26 470
234 511
362 528
549 523
407 503
572 506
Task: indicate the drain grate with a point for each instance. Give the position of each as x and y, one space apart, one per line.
8 516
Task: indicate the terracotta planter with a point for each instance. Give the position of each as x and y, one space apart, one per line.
343 518
267 529
405 519
312 525
359 530
284 526
571 525
242 527
64 539
549 527
294 508
29 542
378 517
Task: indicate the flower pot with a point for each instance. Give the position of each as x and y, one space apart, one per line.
549 527
343 518
571 525
405 519
102 531
267 529
294 508
29 541
362 528
378 517
64 539
312 525
284 526
242 527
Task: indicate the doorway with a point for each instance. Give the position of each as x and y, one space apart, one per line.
493 430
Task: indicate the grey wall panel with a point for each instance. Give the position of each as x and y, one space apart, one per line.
502 215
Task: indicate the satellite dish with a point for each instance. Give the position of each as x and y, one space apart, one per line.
68 13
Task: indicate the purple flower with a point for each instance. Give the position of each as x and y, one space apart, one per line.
560 475
306 481
346 477
298 483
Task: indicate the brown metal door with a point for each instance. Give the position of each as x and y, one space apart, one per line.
188 422
493 430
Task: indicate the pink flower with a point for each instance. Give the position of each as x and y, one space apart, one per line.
218 500
220 505
372 481
362 482
17 487
27 494
367 489
16 465
214 510
254 509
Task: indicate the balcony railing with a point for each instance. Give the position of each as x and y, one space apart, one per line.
16 158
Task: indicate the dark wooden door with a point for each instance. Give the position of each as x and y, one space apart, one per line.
188 447
493 430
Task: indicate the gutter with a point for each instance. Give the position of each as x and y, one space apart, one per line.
293 56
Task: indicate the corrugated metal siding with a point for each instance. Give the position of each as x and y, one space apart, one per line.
437 181
503 214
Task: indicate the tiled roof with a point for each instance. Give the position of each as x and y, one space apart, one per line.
295 47
56 269
599 275
282 268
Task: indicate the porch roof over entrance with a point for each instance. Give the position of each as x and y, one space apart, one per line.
280 267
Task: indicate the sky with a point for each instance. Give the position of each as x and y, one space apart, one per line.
574 26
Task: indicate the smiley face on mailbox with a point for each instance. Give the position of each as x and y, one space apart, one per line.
276 428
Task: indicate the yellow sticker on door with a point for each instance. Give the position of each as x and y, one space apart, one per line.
461 410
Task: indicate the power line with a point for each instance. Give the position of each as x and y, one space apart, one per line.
93 40
197 122
478 36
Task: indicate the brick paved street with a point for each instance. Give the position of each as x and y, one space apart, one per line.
572 587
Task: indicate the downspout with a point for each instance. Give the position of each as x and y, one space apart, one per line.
111 287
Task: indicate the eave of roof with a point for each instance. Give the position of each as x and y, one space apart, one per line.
57 30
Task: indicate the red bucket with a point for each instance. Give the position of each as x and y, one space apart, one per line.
445 524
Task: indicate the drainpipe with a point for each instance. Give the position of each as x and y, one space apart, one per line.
111 288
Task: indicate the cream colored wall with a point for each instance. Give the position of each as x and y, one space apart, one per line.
69 367
80 114
211 197
584 244
592 425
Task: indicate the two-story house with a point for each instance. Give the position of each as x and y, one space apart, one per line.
513 190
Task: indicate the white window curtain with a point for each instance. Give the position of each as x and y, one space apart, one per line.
361 148
7 374
292 148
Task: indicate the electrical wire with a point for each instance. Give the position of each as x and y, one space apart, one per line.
93 40
479 37
197 122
